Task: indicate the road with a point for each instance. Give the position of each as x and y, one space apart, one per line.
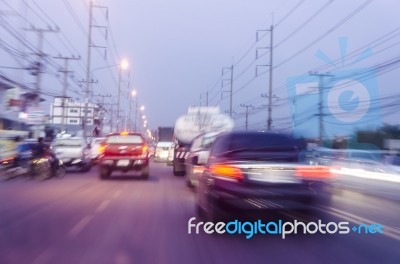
81 219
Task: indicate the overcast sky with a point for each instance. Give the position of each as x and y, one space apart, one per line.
176 51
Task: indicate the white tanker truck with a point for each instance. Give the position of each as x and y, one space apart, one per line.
197 121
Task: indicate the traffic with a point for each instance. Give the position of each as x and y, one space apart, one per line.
178 132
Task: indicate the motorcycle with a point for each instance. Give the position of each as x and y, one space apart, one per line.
39 168
60 170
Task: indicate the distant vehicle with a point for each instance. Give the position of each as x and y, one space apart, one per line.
165 134
95 146
161 151
170 158
198 120
346 158
124 152
73 152
253 171
199 153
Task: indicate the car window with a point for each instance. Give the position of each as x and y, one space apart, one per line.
231 142
126 139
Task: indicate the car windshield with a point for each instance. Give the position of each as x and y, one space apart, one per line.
124 139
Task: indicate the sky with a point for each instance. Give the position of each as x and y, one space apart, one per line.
177 49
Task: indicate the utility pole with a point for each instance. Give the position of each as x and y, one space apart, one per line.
119 96
247 114
136 112
102 107
111 114
65 84
89 53
224 70
270 65
321 87
89 46
38 64
201 97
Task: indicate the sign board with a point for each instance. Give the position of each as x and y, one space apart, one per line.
36 116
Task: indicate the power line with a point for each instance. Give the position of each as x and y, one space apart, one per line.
329 31
289 13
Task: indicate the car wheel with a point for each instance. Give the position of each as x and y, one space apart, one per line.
189 182
146 172
60 173
176 172
105 173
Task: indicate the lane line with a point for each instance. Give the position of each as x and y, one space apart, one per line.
44 257
103 206
116 194
80 226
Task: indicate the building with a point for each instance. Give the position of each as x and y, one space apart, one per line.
68 114
15 105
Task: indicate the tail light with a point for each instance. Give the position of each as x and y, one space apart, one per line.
102 148
145 148
314 172
6 161
228 171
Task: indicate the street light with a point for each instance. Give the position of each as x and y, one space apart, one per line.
122 66
133 94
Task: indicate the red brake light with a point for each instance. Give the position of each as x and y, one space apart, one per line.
102 147
145 148
314 172
227 171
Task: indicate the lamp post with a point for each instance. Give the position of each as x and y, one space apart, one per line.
133 94
143 117
122 66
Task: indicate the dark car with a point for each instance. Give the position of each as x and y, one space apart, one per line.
124 152
253 171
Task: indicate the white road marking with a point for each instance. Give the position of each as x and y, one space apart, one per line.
116 194
44 257
80 226
103 206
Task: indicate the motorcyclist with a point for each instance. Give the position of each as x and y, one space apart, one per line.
39 150
54 161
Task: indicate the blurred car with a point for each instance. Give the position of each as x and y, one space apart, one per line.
347 158
73 152
161 152
253 171
170 158
199 152
319 156
124 152
95 145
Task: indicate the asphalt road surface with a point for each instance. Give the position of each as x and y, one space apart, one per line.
82 219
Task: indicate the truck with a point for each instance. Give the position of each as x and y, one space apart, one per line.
165 134
198 120
164 141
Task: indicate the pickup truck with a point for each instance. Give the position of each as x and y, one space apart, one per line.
73 151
